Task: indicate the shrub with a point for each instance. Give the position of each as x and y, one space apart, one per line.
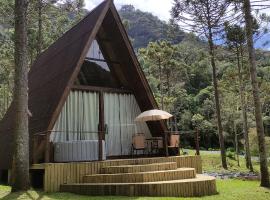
253 141
202 148
230 155
231 149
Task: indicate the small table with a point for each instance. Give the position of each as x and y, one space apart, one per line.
154 144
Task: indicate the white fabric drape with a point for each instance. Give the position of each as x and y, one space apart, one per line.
78 119
120 111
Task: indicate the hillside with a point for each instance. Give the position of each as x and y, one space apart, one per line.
143 27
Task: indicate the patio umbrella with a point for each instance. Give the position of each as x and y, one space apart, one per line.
153 115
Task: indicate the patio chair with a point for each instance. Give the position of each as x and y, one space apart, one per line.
174 144
138 143
156 145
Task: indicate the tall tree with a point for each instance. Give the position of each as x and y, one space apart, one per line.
205 17
256 94
40 24
235 38
159 62
20 167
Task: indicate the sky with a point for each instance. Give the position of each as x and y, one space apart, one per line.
160 8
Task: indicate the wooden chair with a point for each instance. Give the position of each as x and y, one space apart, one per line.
156 145
138 143
174 144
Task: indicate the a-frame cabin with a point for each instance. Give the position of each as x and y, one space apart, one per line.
85 91
88 85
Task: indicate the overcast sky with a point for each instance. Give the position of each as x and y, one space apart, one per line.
160 8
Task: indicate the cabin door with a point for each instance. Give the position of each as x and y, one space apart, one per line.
120 111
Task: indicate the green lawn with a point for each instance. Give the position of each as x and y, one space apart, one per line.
228 189
212 163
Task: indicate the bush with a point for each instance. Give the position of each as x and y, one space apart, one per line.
253 141
231 149
188 147
230 155
202 148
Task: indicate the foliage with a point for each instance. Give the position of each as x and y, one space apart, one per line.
145 27
230 155
254 143
57 18
185 84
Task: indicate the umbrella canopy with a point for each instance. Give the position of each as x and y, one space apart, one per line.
153 115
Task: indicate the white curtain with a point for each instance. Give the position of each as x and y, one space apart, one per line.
120 113
78 119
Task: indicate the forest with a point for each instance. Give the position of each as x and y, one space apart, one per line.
200 75
182 87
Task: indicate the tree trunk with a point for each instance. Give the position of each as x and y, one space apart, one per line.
236 144
244 110
256 95
197 142
215 83
20 167
161 84
39 36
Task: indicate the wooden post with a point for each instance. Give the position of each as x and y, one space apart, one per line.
197 142
166 143
101 128
47 149
35 146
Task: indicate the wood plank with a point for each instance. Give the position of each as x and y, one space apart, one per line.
73 172
165 188
100 89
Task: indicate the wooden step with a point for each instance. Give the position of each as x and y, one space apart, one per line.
139 168
200 186
151 176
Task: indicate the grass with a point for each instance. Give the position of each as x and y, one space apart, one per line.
232 189
228 190
212 163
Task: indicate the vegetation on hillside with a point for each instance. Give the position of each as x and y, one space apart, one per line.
144 27
218 90
185 86
187 89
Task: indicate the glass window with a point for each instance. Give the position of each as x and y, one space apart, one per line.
95 52
95 70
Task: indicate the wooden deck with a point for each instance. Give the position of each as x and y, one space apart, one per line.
154 179
195 187
140 177
56 174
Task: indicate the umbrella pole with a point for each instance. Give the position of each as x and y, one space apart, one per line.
166 144
166 141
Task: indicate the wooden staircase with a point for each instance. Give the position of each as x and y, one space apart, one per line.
154 179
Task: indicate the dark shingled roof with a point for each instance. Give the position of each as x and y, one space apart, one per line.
56 69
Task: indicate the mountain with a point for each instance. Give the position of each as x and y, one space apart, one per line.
144 27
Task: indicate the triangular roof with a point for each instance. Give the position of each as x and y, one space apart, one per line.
55 70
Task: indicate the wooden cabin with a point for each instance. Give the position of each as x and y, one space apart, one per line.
85 91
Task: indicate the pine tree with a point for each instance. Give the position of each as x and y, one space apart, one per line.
20 165
205 17
235 38
256 94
